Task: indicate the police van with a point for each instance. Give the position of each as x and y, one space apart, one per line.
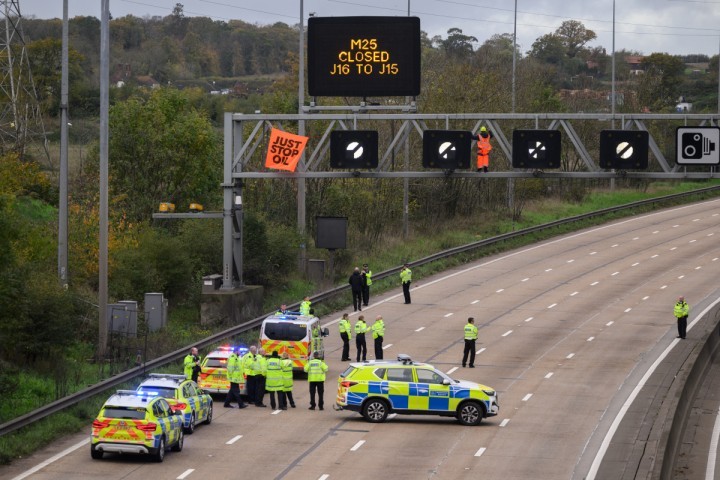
298 335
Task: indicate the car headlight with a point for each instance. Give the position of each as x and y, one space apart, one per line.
489 393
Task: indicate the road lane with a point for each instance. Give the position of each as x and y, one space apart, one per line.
588 307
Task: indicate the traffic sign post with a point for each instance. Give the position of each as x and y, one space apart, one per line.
697 145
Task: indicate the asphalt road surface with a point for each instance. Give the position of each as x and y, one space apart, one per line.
565 326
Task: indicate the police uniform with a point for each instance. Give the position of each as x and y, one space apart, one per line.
234 372
378 333
681 311
287 371
366 284
406 280
274 381
471 333
344 327
360 329
316 369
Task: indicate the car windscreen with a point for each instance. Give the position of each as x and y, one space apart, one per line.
165 392
124 413
285 331
216 362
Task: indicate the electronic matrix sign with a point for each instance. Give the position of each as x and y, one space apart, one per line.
363 56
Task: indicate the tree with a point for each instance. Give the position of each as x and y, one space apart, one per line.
548 49
662 80
457 44
162 149
574 36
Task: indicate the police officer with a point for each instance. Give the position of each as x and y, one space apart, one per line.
283 310
316 369
234 372
260 371
406 279
305 306
356 282
470 338
274 381
378 333
191 364
360 329
248 361
344 327
287 370
367 273
681 311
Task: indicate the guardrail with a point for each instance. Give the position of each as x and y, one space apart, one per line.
128 375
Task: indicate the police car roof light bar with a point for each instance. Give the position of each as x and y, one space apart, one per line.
169 376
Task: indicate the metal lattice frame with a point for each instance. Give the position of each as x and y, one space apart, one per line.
21 121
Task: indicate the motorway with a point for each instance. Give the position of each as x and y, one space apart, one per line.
566 328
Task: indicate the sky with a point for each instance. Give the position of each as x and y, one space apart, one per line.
677 27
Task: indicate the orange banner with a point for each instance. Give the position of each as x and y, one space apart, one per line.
284 150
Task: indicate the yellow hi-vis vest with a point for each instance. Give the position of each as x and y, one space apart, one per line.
316 369
234 369
287 371
344 327
681 309
406 275
378 329
305 308
368 278
247 363
361 328
470 332
274 380
188 364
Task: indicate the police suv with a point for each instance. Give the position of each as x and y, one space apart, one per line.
377 387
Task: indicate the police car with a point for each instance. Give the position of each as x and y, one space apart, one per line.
182 395
130 422
377 388
213 377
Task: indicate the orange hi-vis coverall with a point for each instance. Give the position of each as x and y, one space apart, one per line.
483 152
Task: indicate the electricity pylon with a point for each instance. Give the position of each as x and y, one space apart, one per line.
21 125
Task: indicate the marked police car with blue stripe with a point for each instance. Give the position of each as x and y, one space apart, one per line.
376 388
183 395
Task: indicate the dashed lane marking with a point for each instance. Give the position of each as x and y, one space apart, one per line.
357 445
527 397
185 474
233 440
387 346
507 333
420 329
570 355
550 374
480 452
504 422
609 323
449 372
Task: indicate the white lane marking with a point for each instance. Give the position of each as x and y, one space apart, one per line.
481 350
275 412
504 422
715 214
609 323
681 277
387 346
474 302
613 246
646 297
420 329
571 261
656 231
480 452
553 305
616 273
549 375
574 293
527 397
548 269
448 315
590 339
627 310
698 268
654 256
712 453
524 279
663 287
324 476
673 248
499 291
357 445
507 333
593 253
449 372
52 459
628 403
594 283
528 319
697 219
710 234
715 259
635 264
692 241
636 238
185 474
233 440
675 226
570 356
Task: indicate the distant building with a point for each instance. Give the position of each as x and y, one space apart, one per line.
635 64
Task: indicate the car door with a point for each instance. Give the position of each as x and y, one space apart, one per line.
399 380
429 392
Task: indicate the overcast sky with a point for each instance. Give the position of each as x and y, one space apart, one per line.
672 26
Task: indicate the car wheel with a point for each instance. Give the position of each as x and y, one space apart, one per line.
375 410
179 445
208 420
470 413
95 454
160 454
190 429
